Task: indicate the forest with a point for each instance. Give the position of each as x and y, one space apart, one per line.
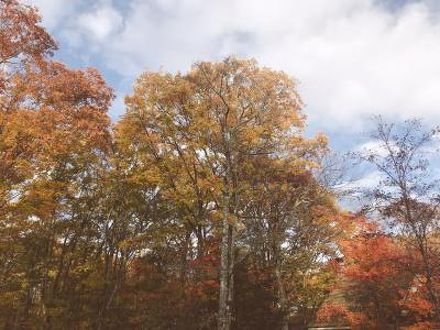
205 206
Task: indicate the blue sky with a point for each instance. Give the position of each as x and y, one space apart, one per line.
352 58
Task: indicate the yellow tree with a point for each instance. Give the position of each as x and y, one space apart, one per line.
208 127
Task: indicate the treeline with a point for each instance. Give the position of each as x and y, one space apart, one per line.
205 206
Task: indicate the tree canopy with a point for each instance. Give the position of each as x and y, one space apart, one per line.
203 207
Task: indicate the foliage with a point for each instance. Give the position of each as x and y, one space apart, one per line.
205 206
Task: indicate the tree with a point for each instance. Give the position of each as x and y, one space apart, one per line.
204 130
376 280
24 43
408 194
54 132
290 229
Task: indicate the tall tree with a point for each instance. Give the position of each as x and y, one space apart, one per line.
208 127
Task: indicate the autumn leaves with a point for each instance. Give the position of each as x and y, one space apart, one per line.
199 209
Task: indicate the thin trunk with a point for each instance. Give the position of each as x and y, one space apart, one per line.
282 298
281 291
231 272
224 312
227 244
183 261
200 250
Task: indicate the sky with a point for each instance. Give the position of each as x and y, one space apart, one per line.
351 58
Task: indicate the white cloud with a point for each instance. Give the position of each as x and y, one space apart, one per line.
100 23
353 58
374 147
54 11
368 181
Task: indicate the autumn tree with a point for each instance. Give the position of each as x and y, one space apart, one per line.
290 230
202 132
375 276
408 194
54 130
19 30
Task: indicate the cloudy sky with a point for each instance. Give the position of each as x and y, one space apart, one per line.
352 58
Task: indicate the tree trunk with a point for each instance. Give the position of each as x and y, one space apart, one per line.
183 259
231 272
282 299
224 311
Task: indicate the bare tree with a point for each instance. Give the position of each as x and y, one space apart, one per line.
408 195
